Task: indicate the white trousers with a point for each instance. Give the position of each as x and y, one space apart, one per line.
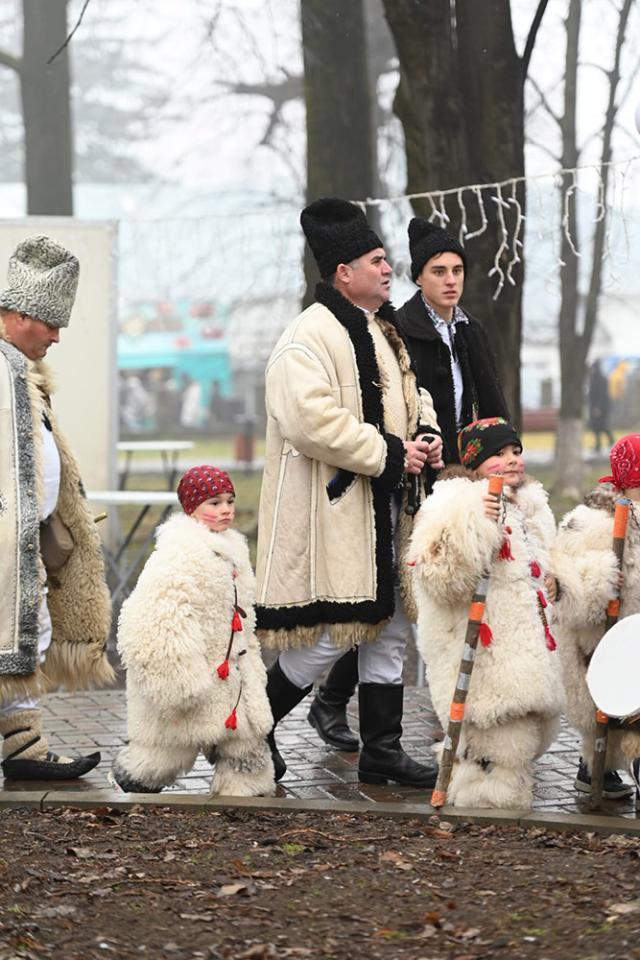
44 639
379 661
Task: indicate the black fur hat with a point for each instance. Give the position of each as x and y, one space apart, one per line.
337 232
426 240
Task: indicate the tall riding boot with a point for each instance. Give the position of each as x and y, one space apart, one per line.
26 754
283 697
328 711
382 757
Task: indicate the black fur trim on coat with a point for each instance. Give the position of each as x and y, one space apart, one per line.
482 394
383 607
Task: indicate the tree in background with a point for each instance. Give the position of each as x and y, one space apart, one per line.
46 107
341 154
578 312
460 99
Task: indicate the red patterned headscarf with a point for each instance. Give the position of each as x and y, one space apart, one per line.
625 463
200 484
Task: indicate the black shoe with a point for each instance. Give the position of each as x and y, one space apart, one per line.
283 697
382 757
614 786
328 711
50 768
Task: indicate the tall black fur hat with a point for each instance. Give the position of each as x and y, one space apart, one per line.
337 232
426 240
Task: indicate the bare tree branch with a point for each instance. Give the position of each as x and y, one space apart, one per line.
531 39
545 102
14 63
545 149
68 40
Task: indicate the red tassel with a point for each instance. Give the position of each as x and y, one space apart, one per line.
231 723
234 573
223 670
542 599
551 643
486 636
236 623
509 530
535 569
505 549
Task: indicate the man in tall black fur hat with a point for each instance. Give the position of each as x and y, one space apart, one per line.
344 428
454 363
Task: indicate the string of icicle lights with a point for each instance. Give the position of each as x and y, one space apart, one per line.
472 201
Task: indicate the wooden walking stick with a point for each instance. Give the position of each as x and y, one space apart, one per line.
456 711
598 766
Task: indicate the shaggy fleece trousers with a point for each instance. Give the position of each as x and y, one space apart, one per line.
242 768
379 661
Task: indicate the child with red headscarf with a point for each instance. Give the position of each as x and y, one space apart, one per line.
588 577
195 677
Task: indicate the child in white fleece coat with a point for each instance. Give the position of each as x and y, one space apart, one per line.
195 676
589 576
515 697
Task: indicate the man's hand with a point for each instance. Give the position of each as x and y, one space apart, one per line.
434 455
419 452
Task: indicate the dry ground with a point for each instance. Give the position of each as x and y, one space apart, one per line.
231 885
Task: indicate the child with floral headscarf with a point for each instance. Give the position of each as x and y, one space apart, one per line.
195 677
515 694
588 577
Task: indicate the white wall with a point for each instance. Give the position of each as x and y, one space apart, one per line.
84 362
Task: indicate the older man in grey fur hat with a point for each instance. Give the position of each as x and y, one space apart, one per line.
54 606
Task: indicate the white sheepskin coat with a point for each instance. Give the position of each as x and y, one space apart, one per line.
515 696
173 634
587 572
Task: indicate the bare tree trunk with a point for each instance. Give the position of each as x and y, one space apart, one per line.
460 100
341 159
575 336
46 108
568 480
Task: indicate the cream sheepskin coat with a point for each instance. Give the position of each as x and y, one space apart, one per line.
587 573
515 696
173 634
77 598
325 548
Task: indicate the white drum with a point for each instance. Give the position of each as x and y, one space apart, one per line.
613 676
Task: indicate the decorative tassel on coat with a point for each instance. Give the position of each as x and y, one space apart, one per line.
551 640
223 670
505 549
231 723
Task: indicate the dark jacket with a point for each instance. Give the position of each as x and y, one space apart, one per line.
482 394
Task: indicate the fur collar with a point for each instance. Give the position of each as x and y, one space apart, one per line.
181 529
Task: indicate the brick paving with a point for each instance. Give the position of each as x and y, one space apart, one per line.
97 720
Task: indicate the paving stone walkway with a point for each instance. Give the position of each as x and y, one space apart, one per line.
97 720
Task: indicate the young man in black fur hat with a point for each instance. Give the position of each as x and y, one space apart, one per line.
454 362
344 428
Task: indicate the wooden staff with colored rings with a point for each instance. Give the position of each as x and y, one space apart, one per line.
598 766
456 711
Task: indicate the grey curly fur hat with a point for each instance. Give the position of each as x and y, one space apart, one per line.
426 240
338 232
42 279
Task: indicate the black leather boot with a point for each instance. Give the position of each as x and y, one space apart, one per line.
283 697
328 710
382 757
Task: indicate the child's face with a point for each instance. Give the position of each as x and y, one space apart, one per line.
217 512
507 462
